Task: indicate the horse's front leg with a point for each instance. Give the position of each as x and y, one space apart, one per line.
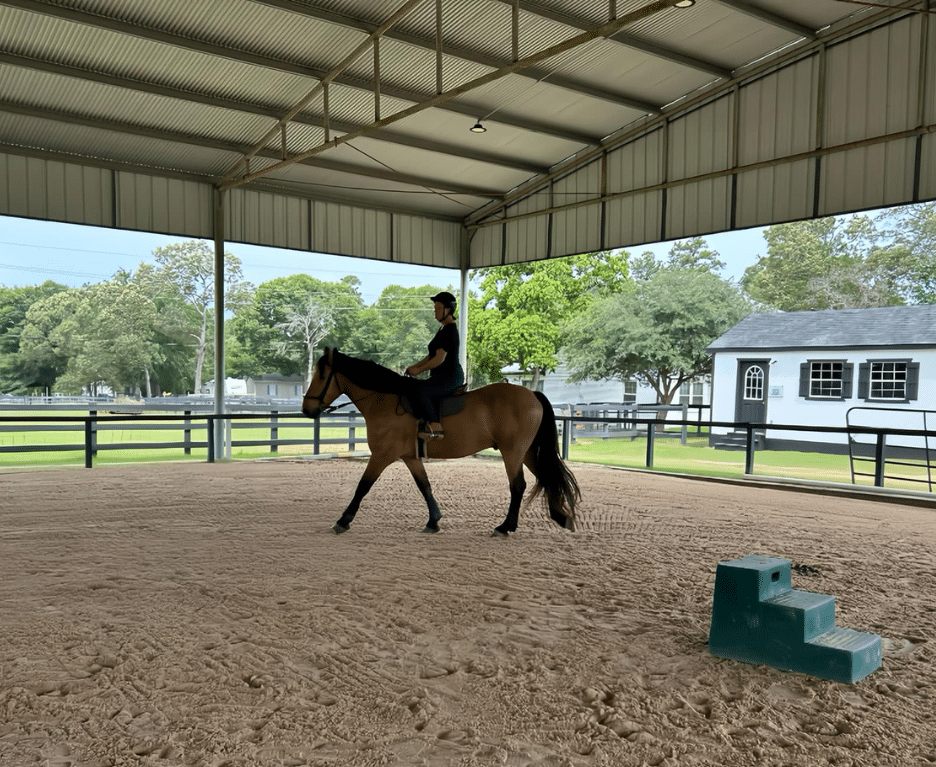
517 489
418 470
375 467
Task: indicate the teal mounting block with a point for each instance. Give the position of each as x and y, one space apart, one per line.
758 618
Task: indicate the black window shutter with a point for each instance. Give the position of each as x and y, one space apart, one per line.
913 379
864 377
848 373
804 379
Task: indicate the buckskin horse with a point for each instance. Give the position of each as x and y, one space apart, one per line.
517 422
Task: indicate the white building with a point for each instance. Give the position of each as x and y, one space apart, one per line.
864 367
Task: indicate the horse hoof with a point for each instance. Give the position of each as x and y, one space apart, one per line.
498 533
430 529
570 524
339 528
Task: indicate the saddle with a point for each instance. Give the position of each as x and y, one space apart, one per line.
451 404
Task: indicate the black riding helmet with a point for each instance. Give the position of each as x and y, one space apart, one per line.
446 299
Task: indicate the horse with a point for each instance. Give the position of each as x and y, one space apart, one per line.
509 418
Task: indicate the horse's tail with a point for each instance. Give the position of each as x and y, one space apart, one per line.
552 475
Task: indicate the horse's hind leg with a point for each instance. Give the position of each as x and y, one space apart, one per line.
375 467
517 489
418 470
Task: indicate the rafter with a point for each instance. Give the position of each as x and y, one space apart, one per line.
628 40
201 46
466 54
237 150
256 109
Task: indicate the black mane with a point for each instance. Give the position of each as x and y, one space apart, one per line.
370 375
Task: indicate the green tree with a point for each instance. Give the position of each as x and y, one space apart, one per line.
303 328
822 264
907 254
18 375
516 318
656 333
258 327
186 270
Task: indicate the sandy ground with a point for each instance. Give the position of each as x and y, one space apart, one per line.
194 614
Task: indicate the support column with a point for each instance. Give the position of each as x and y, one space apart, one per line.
463 302
222 445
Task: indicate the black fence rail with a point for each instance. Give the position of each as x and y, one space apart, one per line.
195 430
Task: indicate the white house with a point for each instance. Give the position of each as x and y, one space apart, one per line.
865 367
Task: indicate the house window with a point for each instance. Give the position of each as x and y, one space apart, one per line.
889 380
691 393
754 383
826 379
630 392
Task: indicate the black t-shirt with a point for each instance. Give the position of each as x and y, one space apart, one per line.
450 370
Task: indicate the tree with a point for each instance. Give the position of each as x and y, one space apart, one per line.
258 327
516 318
822 264
303 328
18 374
656 333
908 255
187 270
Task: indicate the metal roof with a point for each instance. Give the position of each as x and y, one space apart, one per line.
646 122
892 327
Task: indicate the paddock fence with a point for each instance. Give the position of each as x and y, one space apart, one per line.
216 434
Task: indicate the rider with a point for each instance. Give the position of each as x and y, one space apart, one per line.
446 372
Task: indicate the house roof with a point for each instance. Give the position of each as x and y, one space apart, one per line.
889 326
276 377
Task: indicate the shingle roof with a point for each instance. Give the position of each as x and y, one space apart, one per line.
898 326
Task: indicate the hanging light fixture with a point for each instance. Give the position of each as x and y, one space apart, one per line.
478 128
684 4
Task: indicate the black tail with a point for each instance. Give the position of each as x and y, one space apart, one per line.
552 475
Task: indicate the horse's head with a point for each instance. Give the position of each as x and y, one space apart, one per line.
323 388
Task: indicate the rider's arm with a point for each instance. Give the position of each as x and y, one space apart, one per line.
427 363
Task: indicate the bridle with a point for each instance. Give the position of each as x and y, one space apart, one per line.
321 397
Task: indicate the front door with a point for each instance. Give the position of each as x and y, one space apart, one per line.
751 399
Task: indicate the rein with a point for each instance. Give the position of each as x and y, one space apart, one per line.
328 380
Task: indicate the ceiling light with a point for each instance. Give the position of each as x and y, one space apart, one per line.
478 128
684 4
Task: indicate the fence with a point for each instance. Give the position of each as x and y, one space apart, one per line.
197 432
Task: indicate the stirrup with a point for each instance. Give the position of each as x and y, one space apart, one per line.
428 433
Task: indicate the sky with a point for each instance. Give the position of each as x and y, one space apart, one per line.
32 252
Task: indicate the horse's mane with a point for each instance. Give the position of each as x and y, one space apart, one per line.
370 375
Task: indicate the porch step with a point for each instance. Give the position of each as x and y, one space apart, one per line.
758 618
737 440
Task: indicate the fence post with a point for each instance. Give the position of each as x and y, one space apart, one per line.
210 424
651 432
88 442
351 432
879 461
566 436
749 451
685 423
93 448
316 435
274 431
187 432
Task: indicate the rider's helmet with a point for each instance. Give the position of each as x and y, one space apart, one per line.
446 299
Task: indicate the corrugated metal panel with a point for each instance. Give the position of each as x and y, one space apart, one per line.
157 204
528 238
264 218
485 246
871 83
700 142
769 129
39 188
870 177
928 160
639 164
424 241
577 230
